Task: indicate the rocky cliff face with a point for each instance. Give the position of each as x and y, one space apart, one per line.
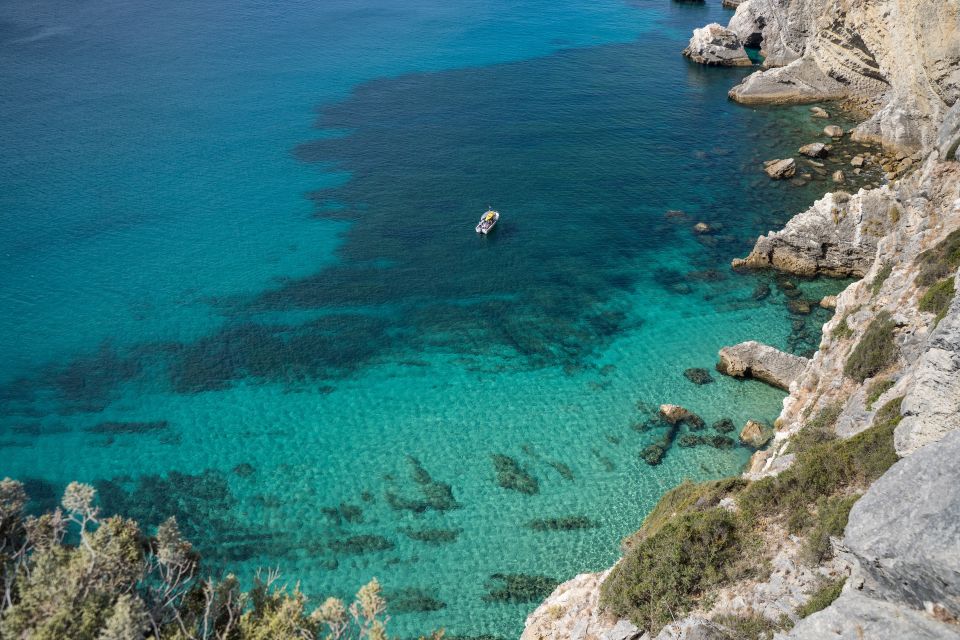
901 545
900 57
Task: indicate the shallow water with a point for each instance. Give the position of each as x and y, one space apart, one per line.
241 285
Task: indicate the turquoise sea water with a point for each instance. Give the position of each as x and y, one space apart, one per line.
240 284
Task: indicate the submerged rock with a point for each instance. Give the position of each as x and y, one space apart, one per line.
814 150
818 112
674 414
762 362
781 169
756 434
698 376
833 131
718 46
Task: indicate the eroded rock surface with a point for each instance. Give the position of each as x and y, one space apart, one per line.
718 46
762 362
836 237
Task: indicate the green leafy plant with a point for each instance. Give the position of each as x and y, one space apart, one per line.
937 299
822 597
876 350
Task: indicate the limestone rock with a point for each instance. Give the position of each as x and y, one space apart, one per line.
854 616
571 613
818 112
796 83
931 407
674 414
833 131
702 227
901 59
756 434
814 150
781 169
828 302
762 362
839 177
694 628
948 138
905 530
836 237
718 46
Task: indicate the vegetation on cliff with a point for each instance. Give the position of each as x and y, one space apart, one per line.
706 535
72 574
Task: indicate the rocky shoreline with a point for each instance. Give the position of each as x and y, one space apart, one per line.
886 375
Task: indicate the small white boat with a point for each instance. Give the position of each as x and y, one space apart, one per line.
487 221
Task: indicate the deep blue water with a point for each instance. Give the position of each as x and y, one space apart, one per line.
240 284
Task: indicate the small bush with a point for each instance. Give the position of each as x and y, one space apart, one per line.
940 261
828 469
882 274
876 389
822 598
937 299
685 498
819 429
875 351
753 627
842 331
831 520
661 577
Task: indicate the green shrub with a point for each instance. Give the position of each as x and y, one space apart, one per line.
753 627
685 498
875 351
842 331
819 429
876 389
661 577
822 598
828 469
882 274
937 299
940 261
831 520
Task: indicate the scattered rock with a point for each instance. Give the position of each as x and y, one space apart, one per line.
698 376
756 434
761 291
818 112
702 227
674 414
839 177
717 46
828 302
781 169
762 362
833 131
814 150
799 307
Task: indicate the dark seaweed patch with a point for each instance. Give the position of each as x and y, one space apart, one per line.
358 545
565 472
413 600
117 428
432 536
563 523
433 494
244 470
510 475
518 587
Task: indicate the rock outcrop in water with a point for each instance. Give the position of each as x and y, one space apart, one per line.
761 362
893 347
718 46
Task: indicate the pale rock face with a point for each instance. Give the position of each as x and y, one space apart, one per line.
756 360
904 55
837 237
853 616
756 434
571 613
931 408
814 150
905 531
718 46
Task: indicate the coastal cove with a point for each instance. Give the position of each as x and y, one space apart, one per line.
293 340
